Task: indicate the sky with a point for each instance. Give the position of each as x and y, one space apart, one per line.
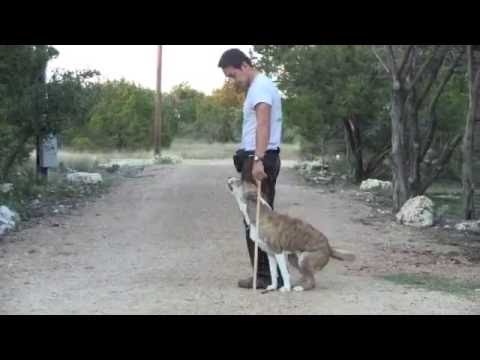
195 64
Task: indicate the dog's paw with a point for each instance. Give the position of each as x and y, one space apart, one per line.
298 288
272 288
286 289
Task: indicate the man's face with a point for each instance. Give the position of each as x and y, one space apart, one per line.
239 76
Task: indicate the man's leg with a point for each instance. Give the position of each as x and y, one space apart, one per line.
272 166
263 269
272 169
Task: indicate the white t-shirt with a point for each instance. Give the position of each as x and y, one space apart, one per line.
262 90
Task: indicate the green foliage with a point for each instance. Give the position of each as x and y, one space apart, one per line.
215 118
72 96
325 84
122 117
23 101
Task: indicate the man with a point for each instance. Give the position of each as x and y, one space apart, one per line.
258 159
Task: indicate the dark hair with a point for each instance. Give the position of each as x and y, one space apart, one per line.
235 58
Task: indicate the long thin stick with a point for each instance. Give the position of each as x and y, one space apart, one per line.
255 262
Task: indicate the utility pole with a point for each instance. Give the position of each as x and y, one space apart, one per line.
42 172
158 104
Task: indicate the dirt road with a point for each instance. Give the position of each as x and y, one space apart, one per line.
171 242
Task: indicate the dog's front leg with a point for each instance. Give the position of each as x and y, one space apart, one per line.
272 262
282 264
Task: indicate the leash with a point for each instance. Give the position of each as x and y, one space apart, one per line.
255 262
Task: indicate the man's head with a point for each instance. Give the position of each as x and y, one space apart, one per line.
237 66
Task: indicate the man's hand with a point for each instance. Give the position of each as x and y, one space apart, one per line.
258 172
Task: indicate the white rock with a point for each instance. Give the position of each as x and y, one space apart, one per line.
417 212
85 178
472 226
7 219
6 188
374 185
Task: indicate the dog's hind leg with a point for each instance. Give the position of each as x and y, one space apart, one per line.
293 260
307 282
319 260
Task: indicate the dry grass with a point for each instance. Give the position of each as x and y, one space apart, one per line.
185 149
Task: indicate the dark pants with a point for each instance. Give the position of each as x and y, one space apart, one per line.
272 166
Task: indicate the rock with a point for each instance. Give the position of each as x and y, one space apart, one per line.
85 178
167 160
312 166
376 185
417 212
112 169
7 219
470 226
322 180
6 188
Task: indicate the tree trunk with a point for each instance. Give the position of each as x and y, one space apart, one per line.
441 163
400 181
375 162
413 158
354 144
468 140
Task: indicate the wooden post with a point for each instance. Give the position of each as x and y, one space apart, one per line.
42 172
255 261
158 109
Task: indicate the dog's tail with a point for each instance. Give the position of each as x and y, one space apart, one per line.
342 255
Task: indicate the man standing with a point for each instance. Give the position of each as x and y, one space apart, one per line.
258 159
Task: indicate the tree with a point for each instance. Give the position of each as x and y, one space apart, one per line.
330 88
23 101
468 139
185 101
71 98
419 76
214 118
122 117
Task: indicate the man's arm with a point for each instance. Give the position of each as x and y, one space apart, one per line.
263 128
263 111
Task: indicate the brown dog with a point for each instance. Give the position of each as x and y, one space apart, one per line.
308 250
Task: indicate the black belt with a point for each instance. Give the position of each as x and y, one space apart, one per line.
270 151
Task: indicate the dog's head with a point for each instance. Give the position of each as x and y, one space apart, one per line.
243 192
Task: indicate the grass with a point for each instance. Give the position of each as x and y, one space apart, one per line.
188 149
31 199
434 283
89 161
180 148
449 194
58 191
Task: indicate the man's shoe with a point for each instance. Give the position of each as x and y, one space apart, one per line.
248 283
